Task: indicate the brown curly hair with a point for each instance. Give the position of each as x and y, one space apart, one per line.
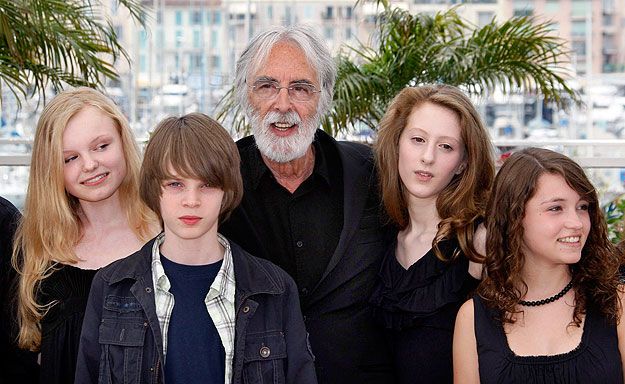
595 276
462 202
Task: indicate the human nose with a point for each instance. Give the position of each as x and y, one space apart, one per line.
428 154
282 102
89 163
191 198
574 219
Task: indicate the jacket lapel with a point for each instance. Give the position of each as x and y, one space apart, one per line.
355 188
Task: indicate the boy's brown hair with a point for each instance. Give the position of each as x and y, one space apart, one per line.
194 146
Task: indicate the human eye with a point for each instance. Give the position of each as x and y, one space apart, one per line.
302 88
101 146
583 206
555 208
447 147
70 158
418 139
173 184
264 85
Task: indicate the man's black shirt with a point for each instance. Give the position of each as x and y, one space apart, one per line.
301 229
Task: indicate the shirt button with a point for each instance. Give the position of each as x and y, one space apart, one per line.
299 244
265 352
304 291
246 309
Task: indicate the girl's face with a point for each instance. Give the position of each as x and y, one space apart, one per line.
94 158
431 151
556 223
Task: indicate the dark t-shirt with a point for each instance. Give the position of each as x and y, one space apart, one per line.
195 353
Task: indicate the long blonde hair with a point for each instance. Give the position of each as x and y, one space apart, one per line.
50 228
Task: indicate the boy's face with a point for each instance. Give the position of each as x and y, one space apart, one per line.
189 208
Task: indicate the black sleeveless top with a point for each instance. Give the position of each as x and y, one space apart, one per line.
595 360
61 326
418 307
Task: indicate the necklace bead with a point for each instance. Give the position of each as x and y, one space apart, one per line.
549 299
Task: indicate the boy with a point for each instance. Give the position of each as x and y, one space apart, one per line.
191 307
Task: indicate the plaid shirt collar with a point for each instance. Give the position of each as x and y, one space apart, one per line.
224 281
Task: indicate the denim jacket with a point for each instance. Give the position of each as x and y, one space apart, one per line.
121 340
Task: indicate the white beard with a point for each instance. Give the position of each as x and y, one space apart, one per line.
283 149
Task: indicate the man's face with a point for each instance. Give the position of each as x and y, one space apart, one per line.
284 128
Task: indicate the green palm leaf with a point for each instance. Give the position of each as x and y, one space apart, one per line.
53 42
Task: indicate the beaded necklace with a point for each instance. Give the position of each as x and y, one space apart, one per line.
548 300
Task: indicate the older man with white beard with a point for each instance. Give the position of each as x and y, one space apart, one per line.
310 204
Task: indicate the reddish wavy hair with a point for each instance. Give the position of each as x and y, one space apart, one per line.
462 202
595 276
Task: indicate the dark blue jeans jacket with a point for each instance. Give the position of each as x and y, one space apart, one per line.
121 340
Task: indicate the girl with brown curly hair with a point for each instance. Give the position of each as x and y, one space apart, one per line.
435 166
548 309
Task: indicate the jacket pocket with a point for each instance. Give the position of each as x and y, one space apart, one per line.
121 355
265 358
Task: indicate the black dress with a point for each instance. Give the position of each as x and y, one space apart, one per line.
60 327
595 360
418 307
16 365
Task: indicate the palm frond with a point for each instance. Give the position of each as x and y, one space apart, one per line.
58 42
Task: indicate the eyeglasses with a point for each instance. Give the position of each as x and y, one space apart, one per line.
268 90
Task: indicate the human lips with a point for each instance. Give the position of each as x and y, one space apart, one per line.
95 180
571 240
423 175
282 126
190 220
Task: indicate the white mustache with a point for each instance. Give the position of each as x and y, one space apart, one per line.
290 117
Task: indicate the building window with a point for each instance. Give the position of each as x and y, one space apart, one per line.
159 17
608 6
308 12
578 28
328 33
608 42
608 20
329 14
348 33
523 7
348 13
143 63
195 17
214 38
484 18
270 12
552 6
179 39
580 8
217 18
143 39
579 47
554 27
160 38
119 31
197 41
178 17
196 62
216 62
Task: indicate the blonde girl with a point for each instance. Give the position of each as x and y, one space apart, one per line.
82 211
